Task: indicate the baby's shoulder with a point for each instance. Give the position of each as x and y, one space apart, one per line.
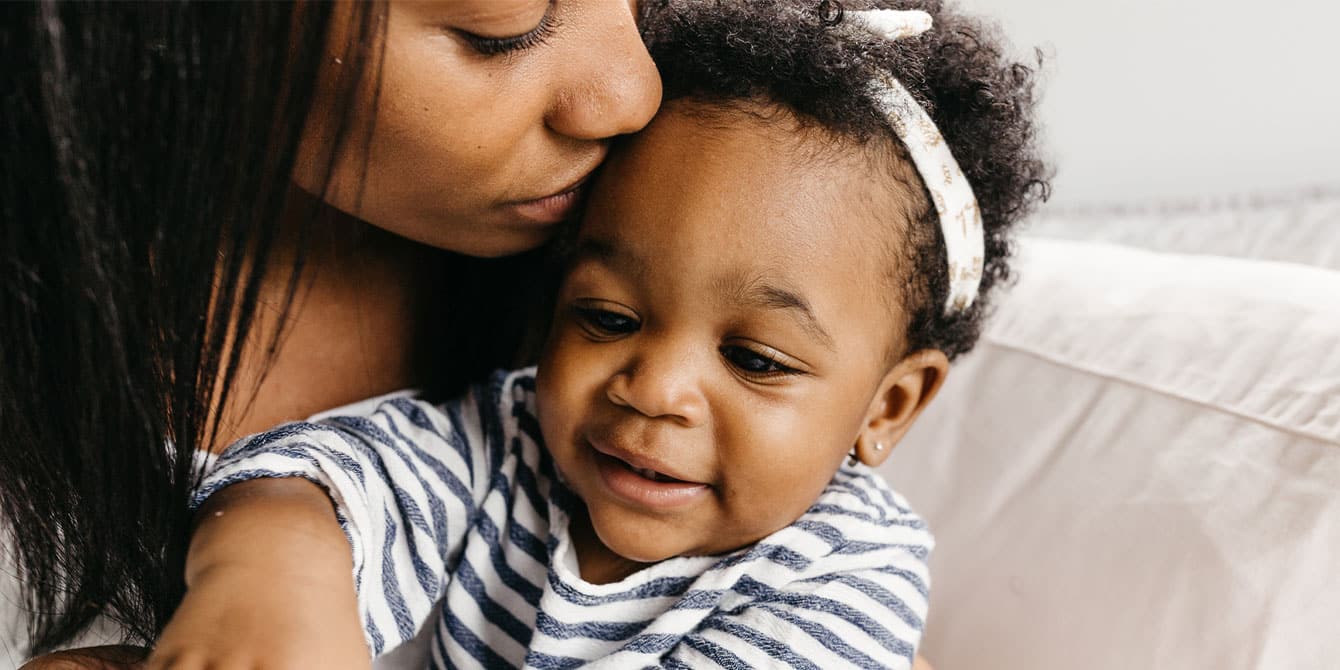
858 511
861 488
478 425
486 414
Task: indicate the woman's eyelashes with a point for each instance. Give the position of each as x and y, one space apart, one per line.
493 46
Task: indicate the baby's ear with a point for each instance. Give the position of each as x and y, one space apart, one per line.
905 390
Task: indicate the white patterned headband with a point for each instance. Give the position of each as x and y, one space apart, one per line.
960 218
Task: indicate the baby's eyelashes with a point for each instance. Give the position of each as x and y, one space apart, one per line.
603 320
767 363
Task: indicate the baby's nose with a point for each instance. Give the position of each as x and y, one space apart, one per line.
664 386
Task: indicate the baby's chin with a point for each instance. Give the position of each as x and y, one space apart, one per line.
643 542
653 541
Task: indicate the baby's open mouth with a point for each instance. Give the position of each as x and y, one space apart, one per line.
652 474
645 473
646 486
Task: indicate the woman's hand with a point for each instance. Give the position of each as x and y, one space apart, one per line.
269 586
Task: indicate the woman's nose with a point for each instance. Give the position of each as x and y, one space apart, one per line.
616 90
660 386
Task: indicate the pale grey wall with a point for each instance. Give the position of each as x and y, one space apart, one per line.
1185 98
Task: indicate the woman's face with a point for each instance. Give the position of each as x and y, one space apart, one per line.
490 114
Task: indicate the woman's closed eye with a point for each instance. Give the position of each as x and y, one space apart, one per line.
766 364
493 46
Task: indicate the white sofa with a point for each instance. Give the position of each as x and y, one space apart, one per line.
1139 466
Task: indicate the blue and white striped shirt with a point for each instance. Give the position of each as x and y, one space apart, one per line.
460 503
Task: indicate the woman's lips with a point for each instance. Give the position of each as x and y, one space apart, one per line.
553 208
643 486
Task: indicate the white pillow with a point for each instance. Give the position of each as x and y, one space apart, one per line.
1139 467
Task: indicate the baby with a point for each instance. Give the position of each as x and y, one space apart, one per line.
764 293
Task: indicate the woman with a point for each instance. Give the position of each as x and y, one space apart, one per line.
220 217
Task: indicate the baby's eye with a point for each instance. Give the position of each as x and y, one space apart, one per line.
752 362
605 323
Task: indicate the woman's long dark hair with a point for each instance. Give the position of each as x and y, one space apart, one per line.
145 154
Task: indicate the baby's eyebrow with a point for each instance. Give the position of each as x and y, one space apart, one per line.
610 253
763 294
756 293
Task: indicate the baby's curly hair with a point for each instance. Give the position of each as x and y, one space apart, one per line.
798 55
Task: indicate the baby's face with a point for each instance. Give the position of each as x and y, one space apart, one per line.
719 340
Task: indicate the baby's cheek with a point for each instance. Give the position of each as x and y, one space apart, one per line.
557 401
563 372
774 489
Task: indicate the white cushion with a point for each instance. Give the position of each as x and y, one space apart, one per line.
1296 227
1139 467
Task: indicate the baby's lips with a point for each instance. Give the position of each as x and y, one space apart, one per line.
636 460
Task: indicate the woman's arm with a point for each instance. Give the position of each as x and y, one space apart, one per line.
269 584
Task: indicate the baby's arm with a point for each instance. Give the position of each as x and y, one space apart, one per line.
269 582
275 567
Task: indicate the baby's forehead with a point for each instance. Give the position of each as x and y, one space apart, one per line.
772 132
759 161
748 143
718 187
